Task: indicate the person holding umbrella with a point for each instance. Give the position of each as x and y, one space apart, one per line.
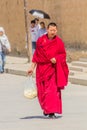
51 71
37 23
33 31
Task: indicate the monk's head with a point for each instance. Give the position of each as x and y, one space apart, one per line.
52 30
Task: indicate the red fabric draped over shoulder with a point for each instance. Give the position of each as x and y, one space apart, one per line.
45 50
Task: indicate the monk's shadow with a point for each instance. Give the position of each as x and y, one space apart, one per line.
38 117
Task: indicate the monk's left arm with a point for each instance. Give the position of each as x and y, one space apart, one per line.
61 55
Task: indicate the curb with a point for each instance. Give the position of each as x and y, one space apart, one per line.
72 79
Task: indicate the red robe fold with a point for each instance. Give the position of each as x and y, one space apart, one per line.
50 78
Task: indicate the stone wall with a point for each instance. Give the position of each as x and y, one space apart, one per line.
12 19
74 22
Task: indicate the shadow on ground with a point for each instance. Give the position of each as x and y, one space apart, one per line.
39 117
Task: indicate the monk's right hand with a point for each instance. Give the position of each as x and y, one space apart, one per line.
30 72
31 69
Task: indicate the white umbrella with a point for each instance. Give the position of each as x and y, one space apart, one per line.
39 13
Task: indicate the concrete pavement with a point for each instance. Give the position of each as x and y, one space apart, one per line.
19 113
78 69
16 65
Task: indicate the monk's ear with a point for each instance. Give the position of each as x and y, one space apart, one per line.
56 31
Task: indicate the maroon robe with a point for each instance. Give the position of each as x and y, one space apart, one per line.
50 78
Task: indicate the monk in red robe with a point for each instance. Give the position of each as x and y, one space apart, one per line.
51 71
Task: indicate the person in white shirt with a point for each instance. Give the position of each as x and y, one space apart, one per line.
3 41
37 23
33 30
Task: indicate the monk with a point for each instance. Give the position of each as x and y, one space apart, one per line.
51 71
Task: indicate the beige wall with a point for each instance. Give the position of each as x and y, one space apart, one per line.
74 21
70 15
12 19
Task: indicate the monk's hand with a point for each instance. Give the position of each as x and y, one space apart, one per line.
30 72
53 60
31 69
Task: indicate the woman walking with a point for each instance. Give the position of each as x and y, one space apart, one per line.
3 42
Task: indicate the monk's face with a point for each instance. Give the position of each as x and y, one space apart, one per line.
52 31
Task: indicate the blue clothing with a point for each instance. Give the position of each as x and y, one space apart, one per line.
2 61
33 47
41 31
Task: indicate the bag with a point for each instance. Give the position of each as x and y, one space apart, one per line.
30 90
5 50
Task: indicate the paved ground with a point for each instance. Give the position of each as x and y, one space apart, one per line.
16 65
18 113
